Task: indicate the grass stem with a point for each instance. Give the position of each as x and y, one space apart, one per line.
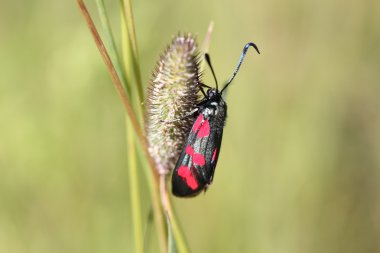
134 189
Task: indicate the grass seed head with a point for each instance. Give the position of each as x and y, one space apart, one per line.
172 94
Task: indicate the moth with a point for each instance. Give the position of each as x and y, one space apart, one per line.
194 170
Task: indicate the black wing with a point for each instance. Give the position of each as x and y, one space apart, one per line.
195 168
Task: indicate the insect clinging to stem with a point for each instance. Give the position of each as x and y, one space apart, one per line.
195 167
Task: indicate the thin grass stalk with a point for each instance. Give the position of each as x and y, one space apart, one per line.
157 212
115 78
130 56
132 163
134 188
130 63
152 174
206 43
112 49
172 248
179 237
118 86
129 22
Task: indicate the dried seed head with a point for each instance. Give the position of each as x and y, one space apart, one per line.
172 94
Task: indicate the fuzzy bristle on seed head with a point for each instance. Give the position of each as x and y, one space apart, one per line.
172 94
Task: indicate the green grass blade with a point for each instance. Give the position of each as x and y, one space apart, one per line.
134 188
148 230
178 235
171 241
158 214
111 45
131 63
130 43
132 66
148 164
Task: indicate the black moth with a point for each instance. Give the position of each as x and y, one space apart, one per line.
195 167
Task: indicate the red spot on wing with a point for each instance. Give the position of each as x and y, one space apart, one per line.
184 171
204 130
197 123
192 182
189 150
213 156
199 159
186 174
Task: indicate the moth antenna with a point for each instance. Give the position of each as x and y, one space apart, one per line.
208 60
245 49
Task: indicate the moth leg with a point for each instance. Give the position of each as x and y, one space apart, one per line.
201 86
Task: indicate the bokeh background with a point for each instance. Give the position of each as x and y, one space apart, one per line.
299 169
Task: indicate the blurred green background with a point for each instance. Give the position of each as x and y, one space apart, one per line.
299 169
